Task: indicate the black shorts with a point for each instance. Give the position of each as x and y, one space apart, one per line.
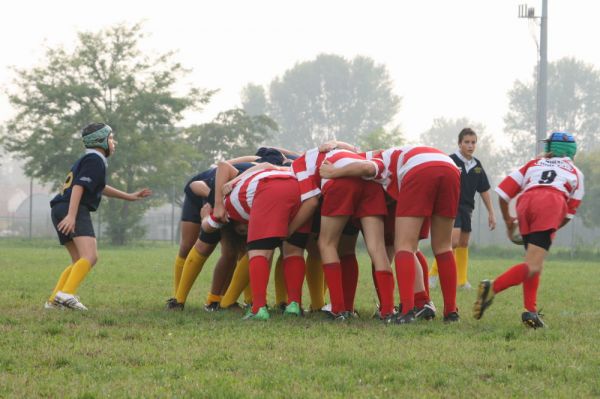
190 211
83 222
463 219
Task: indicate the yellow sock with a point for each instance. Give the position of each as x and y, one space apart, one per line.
280 288
248 295
462 261
239 281
315 282
191 268
177 270
213 298
61 282
433 271
80 269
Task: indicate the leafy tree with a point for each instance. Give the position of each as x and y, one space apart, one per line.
254 100
105 78
589 163
331 98
380 139
573 105
231 134
443 135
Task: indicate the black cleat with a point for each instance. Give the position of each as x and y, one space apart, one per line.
533 320
341 317
427 312
485 296
212 307
452 317
407 318
172 304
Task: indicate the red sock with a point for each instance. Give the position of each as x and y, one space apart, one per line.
447 273
259 279
421 298
385 282
349 279
530 287
293 270
405 274
375 283
513 276
333 276
425 267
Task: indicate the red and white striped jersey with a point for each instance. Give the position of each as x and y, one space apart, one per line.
396 162
555 173
306 168
241 196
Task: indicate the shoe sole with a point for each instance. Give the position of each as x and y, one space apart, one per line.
482 302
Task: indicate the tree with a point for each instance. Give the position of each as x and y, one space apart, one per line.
573 105
589 163
231 134
331 98
105 78
254 100
380 139
443 135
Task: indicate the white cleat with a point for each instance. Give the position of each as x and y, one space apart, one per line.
326 308
52 306
433 281
465 286
69 301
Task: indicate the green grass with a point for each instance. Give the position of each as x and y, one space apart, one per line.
128 346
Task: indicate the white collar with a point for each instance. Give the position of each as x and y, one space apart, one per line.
101 155
469 163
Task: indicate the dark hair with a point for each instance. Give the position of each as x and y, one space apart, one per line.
91 128
466 132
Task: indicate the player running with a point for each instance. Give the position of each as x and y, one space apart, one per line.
551 189
80 195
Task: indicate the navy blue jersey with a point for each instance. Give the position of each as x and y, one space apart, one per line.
89 171
472 180
208 177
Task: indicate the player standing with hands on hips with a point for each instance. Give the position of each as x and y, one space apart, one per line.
80 195
551 190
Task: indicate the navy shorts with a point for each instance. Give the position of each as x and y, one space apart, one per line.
83 222
190 211
463 219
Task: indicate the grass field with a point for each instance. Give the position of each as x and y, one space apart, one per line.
128 346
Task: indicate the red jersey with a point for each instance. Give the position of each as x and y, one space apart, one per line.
396 162
549 173
306 168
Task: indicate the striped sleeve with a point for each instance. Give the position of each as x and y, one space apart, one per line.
305 168
511 185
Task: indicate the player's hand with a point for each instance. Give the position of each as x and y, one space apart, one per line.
327 170
510 226
492 221
220 213
328 146
67 225
205 211
143 193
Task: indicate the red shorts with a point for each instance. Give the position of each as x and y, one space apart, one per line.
540 210
352 196
390 226
433 190
275 204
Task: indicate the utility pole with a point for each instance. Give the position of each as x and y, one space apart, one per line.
542 76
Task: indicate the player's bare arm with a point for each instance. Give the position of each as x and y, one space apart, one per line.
67 225
335 144
508 220
487 201
354 169
112 192
228 186
225 172
307 209
200 188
